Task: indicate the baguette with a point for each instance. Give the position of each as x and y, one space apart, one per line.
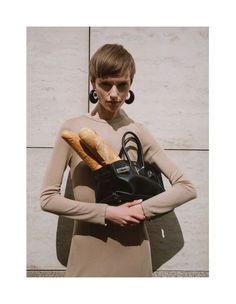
96 145
74 141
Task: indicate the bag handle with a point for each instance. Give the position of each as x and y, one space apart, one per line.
124 150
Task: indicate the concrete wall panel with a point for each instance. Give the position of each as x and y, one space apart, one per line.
193 216
57 80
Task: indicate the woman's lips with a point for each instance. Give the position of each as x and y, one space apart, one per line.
113 103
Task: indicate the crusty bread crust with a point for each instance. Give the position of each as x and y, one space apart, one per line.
74 141
97 146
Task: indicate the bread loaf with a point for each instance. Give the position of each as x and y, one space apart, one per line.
74 141
96 145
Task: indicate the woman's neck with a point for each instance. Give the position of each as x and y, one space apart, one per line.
102 113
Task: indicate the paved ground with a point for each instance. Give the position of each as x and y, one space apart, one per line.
158 273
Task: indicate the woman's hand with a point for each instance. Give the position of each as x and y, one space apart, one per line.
130 213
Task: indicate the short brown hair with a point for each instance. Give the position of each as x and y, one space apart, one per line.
111 59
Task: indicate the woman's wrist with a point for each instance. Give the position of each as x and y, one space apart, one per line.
108 213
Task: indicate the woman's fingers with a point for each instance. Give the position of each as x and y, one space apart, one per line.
137 212
133 203
124 215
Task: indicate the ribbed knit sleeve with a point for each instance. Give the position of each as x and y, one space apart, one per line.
51 199
182 189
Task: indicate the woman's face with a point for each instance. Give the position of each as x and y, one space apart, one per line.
112 91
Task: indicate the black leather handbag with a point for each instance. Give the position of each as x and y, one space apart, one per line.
126 180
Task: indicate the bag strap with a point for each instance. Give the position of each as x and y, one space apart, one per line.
138 165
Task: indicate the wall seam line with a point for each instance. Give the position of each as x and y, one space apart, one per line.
89 54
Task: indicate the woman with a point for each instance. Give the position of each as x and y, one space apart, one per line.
109 240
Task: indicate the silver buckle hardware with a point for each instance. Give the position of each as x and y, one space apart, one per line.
123 169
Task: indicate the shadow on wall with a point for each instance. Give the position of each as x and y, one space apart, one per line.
165 234
166 238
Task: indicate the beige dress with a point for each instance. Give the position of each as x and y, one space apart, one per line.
98 250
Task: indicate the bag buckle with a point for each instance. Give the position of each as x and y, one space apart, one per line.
123 169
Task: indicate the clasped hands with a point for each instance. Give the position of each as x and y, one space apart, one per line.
127 214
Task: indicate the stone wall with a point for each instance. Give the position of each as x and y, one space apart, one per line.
171 88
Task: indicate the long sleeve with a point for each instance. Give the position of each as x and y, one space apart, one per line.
51 199
182 189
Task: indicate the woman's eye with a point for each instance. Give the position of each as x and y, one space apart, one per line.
122 85
106 86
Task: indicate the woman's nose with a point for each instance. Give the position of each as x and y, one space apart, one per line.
114 91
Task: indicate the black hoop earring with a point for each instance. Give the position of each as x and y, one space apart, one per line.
93 97
131 97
